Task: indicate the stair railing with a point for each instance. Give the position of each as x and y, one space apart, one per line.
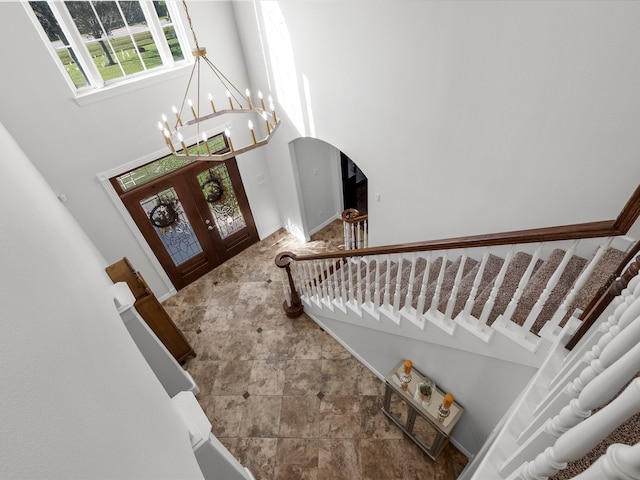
356 229
379 295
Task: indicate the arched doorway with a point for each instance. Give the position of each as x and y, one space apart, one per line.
327 182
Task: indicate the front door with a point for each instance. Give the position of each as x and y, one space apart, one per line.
194 218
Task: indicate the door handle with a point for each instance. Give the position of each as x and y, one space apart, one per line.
210 227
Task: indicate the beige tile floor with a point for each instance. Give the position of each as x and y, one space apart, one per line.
282 395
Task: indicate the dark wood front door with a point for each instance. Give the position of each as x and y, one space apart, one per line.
194 218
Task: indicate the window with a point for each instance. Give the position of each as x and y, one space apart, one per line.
100 43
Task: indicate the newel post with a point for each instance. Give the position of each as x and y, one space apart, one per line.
292 305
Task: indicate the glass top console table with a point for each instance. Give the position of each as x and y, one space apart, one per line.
417 420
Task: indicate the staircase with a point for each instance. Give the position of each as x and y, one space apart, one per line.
507 303
514 299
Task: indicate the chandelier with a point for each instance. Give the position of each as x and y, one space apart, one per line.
189 127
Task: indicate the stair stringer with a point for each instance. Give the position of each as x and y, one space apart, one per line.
499 347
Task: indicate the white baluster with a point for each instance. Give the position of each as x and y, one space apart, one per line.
577 286
343 284
327 279
358 230
546 293
409 297
609 349
367 280
366 234
581 439
396 295
336 282
376 293
524 280
488 306
319 279
436 295
597 392
387 282
456 285
347 235
359 280
621 462
352 297
423 288
468 306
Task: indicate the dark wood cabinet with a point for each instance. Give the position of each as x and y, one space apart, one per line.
151 310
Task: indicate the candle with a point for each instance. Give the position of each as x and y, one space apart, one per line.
206 142
407 366
227 134
273 112
253 135
213 107
167 136
447 400
184 147
248 94
229 97
166 123
261 100
266 121
192 109
175 110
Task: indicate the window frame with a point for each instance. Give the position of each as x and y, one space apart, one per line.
97 89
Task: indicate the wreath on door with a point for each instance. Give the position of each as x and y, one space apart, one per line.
164 214
212 188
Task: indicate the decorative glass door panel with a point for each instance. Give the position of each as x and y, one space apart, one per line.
165 213
193 218
217 189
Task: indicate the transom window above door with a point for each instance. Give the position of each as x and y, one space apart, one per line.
104 43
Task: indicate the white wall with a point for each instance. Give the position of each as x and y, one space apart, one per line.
316 166
71 144
78 399
468 117
485 387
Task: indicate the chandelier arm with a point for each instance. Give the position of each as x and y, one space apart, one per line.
223 79
186 92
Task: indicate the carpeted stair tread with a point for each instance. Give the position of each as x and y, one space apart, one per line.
601 273
449 281
513 274
537 284
434 272
491 270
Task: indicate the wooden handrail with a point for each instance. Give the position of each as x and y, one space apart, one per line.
606 228
351 215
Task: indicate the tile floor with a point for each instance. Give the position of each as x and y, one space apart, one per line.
282 395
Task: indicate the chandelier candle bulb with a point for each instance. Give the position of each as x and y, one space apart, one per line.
273 112
167 138
195 115
227 134
213 107
229 97
166 122
253 135
184 147
175 110
206 142
266 122
261 100
248 94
